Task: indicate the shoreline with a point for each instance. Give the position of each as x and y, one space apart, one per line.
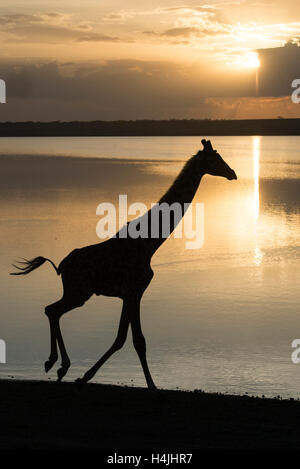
147 128
50 415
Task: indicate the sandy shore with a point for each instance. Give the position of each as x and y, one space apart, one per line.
41 415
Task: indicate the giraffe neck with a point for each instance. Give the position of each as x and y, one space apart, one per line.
181 192
186 184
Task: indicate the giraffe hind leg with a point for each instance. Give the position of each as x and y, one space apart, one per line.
51 312
54 313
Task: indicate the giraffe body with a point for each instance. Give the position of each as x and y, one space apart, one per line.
120 267
112 268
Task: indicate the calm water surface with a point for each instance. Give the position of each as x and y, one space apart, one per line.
221 318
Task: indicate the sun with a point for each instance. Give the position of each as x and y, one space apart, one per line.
252 61
245 59
249 60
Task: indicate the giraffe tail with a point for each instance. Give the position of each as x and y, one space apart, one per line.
30 265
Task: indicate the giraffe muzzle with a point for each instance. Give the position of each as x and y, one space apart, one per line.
231 175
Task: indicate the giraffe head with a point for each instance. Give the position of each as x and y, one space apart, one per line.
213 163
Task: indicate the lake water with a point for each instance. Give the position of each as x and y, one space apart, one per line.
220 318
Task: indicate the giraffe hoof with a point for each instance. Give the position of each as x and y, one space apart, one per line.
61 372
158 395
48 365
80 383
161 397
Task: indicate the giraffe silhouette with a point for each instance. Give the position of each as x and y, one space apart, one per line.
120 267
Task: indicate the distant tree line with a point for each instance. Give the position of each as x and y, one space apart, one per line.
152 128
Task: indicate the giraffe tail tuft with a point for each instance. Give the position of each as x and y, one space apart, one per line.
30 265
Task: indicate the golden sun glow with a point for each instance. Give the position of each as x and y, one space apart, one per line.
251 60
248 60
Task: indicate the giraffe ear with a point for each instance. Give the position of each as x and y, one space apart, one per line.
209 145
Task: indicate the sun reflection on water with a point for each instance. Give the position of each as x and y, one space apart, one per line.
258 255
256 157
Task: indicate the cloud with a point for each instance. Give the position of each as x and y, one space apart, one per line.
191 9
132 89
190 31
98 37
119 17
14 19
278 68
192 22
51 28
212 13
117 89
34 18
187 34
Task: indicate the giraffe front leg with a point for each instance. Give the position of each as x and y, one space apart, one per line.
139 343
117 345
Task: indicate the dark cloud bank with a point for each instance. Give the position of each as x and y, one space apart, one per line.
133 89
279 67
119 89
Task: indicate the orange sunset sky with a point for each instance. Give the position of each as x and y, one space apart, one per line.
86 60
